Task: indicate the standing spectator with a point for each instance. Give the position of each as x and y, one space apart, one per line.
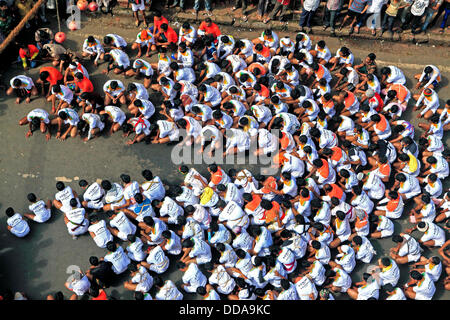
356 9
374 14
280 6
447 13
6 23
107 4
308 12
23 7
138 5
445 7
413 18
407 9
429 12
263 6
391 14
177 3
207 7
332 9
244 3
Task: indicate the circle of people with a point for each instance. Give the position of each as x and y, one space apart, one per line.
348 167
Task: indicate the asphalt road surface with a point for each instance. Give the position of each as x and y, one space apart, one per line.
37 264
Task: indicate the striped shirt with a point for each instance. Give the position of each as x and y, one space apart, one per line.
358 5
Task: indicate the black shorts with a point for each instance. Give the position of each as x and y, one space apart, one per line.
22 93
354 14
115 66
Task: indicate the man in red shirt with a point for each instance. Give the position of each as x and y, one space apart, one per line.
97 294
208 27
166 37
82 84
158 21
28 54
49 76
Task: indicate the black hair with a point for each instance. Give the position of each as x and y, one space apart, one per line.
106 185
357 240
60 186
111 246
31 197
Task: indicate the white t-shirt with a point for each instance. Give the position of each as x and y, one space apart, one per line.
27 82
169 292
72 116
119 260
20 227
41 114
123 224
40 210
64 196
135 251
418 7
153 189
102 234
158 261
143 279
120 58
116 114
304 288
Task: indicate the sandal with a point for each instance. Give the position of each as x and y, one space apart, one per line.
374 33
266 20
441 31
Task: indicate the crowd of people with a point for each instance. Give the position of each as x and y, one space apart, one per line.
349 165
379 15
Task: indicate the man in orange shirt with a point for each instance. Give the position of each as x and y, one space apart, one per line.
82 84
207 28
97 294
49 76
166 37
158 21
218 175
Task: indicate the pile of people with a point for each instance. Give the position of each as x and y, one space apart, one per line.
348 166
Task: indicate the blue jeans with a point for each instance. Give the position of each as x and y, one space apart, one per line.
388 22
373 17
444 21
180 2
306 17
329 17
428 15
207 5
